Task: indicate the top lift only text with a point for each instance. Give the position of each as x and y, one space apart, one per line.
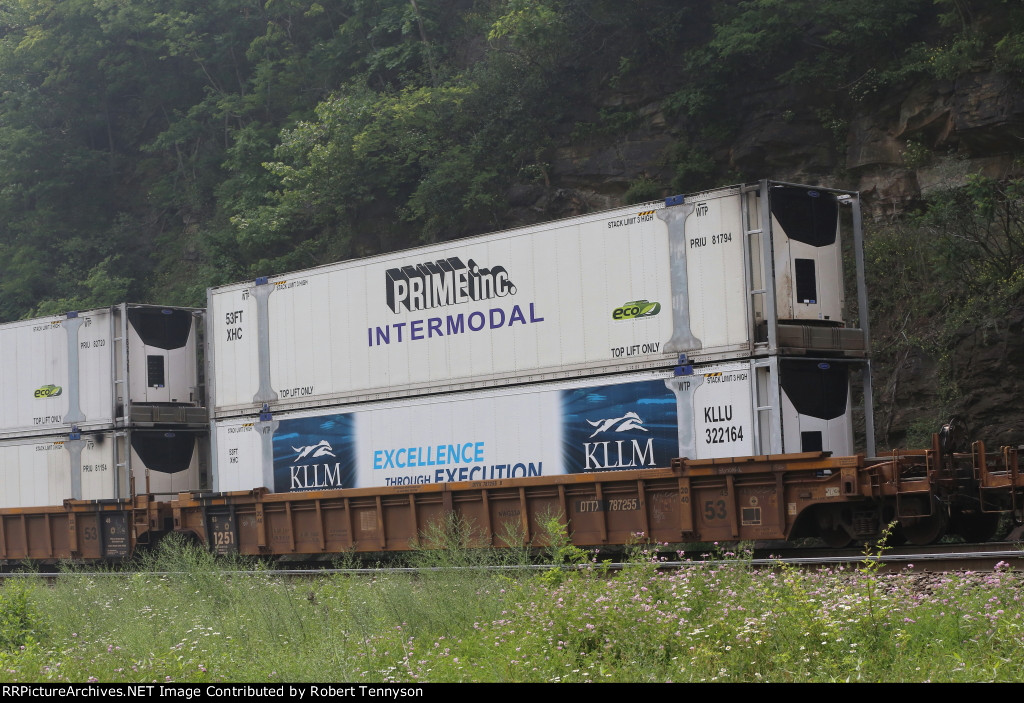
636 350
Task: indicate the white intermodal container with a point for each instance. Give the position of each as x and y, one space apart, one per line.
104 465
725 274
124 365
623 421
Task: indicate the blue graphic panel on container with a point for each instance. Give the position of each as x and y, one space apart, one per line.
315 453
619 427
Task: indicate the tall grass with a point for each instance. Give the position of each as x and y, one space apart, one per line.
186 616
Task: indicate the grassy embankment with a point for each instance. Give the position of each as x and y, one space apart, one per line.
714 621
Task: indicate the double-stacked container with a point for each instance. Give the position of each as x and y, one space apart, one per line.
101 405
731 303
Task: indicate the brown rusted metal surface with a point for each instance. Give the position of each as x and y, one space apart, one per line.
757 498
709 500
745 499
79 531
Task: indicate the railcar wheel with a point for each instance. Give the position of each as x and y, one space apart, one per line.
835 537
924 530
897 538
976 527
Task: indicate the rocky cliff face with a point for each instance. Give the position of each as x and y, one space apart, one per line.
934 137
894 151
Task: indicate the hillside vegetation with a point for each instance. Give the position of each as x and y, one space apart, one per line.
149 149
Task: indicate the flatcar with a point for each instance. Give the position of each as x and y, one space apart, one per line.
555 370
928 493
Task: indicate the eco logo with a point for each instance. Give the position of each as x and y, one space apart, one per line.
635 309
315 451
48 391
629 421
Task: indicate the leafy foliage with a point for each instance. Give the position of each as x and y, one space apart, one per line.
151 148
716 618
960 261
981 231
21 622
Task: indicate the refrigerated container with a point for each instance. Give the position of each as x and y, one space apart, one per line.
732 273
103 465
623 421
119 366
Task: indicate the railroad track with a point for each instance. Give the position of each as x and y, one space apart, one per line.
934 558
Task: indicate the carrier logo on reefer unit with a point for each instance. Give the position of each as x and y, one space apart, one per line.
48 391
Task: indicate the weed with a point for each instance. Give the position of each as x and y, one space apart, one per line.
712 620
561 552
21 622
869 569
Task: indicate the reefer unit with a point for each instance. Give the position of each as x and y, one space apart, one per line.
124 365
40 471
623 421
726 274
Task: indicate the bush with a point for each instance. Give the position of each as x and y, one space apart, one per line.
21 623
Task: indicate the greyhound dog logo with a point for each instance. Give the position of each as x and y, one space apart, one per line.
315 451
629 421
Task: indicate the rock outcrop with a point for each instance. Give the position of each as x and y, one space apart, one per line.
895 151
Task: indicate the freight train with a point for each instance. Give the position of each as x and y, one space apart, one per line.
555 370
776 497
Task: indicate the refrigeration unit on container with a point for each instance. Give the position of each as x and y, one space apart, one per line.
623 421
124 365
725 274
103 465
